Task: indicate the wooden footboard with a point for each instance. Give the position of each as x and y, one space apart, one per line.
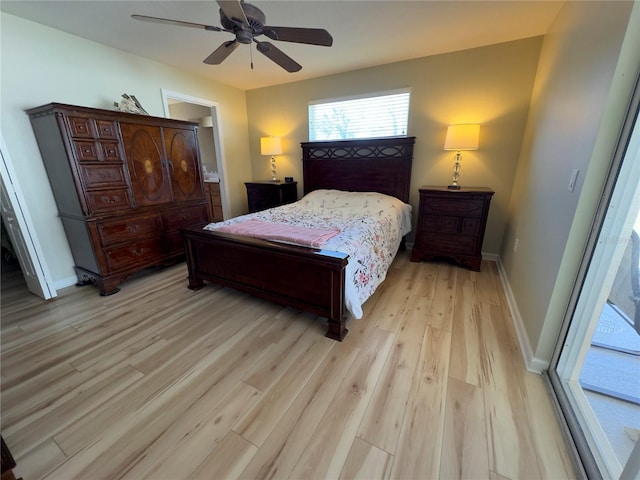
309 279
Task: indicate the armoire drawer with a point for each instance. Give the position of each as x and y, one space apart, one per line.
128 255
96 151
83 127
129 229
101 201
102 175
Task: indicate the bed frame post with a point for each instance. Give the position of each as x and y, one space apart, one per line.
195 283
337 330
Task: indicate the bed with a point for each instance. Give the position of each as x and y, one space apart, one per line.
312 279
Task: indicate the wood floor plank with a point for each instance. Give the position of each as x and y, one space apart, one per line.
65 410
114 451
153 381
464 443
39 460
440 313
162 385
194 435
366 462
259 421
420 444
384 416
281 450
511 448
292 338
330 443
227 460
466 359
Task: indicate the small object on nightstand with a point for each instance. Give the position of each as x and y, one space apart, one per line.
269 194
288 179
451 224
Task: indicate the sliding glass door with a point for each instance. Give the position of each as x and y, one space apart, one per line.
595 370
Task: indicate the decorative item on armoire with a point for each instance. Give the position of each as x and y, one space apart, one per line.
130 104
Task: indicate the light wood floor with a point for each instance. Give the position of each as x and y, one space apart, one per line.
161 382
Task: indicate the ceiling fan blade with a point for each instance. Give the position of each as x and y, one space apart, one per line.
179 23
278 56
222 52
311 36
233 10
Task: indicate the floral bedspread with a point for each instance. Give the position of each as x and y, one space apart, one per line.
371 227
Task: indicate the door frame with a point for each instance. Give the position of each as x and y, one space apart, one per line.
592 285
31 259
168 95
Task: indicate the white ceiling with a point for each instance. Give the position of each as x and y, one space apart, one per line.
365 33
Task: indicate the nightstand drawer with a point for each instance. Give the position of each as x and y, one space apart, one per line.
451 224
446 243
467 207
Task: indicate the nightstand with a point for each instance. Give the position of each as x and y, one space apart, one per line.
451 224
263 195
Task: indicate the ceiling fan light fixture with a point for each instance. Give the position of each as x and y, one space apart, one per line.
246 22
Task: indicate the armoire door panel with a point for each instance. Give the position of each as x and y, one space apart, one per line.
182 152
144 150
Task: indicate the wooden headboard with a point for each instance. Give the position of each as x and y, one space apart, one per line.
369 165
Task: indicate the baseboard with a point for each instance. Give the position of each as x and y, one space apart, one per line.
65 282
492 257
533 364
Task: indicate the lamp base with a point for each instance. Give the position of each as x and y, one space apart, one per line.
454 187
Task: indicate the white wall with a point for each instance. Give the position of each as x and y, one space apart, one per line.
42 65
570 114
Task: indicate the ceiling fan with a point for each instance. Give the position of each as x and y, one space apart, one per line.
246 22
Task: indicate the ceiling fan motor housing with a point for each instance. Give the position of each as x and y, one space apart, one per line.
255 18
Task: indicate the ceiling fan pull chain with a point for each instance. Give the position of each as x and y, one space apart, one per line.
251 55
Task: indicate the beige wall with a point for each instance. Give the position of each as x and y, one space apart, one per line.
490 85
573 123
42 65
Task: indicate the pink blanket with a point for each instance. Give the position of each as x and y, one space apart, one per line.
313 237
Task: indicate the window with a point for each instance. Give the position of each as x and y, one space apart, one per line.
384 114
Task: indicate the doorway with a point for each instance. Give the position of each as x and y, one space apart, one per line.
19 235
205 112
595 369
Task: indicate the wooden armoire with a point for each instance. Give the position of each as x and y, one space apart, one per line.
124 185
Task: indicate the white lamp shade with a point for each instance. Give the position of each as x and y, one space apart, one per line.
271 146
462 137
